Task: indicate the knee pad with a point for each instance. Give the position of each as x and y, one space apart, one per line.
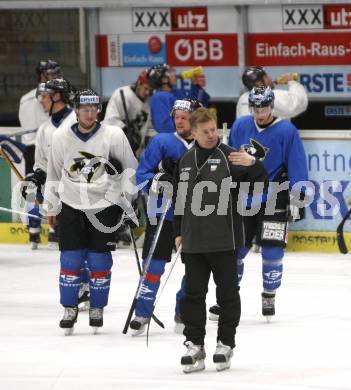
70 275
34 223
72 261
272 267
155 271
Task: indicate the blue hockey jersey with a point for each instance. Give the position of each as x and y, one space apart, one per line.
161 147
161 103
278 146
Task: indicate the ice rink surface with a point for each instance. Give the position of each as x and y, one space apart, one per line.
307 346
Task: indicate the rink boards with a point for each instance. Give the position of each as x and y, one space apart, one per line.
299 241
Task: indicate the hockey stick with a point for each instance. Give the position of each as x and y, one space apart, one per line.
18 212
9 133
146 266
158 322
340 234
11 164
163 287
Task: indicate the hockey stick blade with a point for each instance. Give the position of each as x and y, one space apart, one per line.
340 234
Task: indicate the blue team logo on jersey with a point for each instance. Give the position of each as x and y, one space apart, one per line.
254 148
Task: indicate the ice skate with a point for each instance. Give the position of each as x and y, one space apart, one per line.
214 313
178 324
138 325
69 319
34 239
222 356
96 319
52 240
84 297
194 358
268 305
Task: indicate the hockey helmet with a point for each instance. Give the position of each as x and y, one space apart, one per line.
56 85
156 73
87 97
48 67
261 97
189 105
142 78
252 75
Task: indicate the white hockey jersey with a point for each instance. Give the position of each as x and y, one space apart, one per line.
287 103
44 138
76 172
138 111
31 115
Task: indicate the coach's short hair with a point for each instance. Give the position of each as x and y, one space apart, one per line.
201 115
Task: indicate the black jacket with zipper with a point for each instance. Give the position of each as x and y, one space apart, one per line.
207 218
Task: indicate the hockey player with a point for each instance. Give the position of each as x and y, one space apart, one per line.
210 238
85 161
287 104
163 79
157 165
31 114
277 144
128 108
54 98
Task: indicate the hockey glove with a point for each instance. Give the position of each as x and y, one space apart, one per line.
162 183
35 179
116 164
167 166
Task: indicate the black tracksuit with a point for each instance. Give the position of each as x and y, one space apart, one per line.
211 231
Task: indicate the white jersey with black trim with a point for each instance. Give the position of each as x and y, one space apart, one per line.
77 164
138 111
287 103
44 139
31 115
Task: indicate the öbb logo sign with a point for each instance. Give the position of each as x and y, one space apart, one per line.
202 49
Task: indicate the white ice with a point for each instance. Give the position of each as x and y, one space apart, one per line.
307 346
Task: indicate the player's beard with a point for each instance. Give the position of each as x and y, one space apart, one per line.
87 125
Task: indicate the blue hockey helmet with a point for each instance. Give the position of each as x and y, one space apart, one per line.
261 97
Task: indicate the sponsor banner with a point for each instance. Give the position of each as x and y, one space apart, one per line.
325 242
329 166
189 19
274 49
337 16
331 82
107 51
17 233
202 49
169 19
301 17
144 54
151 19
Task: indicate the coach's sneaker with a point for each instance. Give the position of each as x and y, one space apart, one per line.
194 358
138 325
222 356
214 312
268 305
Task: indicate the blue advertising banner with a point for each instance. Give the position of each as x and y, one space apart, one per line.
329 166
139 54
